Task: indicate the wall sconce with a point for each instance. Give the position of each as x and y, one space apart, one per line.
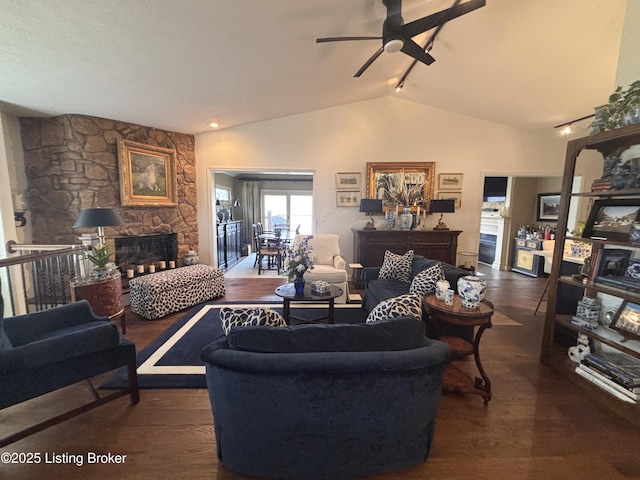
370 206
442 207
20 206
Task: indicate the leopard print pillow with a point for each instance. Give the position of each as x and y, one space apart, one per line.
425 281
402 306
242 317
396 267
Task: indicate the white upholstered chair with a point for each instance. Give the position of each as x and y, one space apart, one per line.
329 266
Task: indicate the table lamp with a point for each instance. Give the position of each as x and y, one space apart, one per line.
370 206
98 217
442 207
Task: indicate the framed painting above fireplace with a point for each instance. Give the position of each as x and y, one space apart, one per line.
147 175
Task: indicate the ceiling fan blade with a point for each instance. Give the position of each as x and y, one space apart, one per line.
345 39
369 62
414 50
421 25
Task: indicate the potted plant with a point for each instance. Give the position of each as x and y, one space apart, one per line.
100 257
622 109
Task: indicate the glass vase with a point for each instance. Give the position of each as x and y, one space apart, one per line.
298 284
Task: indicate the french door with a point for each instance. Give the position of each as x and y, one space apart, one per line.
291 208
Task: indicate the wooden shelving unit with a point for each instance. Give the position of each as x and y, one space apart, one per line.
552 354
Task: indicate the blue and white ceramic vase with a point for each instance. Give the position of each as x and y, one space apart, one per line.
298 283
390 219
471 290
406 219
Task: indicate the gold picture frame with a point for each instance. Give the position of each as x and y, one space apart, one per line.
404 184
147 175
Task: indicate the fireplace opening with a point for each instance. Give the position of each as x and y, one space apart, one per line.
146 253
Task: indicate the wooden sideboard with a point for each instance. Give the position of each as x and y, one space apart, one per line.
369 245
229 243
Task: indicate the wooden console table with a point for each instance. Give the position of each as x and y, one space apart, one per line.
369 245
454 379
104 296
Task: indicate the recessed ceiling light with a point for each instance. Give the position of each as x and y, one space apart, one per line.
214 123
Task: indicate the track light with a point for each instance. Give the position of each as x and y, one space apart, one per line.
399 86
567 127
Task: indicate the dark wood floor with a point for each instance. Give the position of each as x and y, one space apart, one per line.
537 426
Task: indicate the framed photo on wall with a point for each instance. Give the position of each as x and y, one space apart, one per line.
404 184
348 199
457 196
548 207
147 175
450 181
348 181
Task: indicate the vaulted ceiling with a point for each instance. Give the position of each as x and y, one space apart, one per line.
174 64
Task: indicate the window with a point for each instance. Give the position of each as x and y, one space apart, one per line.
291 208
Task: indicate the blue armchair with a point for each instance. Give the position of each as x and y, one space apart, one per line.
50 349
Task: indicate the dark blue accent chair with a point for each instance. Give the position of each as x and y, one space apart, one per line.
50 349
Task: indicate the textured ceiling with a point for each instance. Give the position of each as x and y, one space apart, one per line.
174 64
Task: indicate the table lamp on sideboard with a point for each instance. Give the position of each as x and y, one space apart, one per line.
442 207
370 206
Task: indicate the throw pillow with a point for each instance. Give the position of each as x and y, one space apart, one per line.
242 317
425 281
409 305
396 267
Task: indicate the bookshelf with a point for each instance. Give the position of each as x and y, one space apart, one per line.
603 338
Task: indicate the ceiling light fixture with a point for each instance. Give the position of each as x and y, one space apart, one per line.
214 123
400 85
567 127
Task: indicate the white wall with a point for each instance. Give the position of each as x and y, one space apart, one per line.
390 129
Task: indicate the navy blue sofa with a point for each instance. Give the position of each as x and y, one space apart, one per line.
378 290
325 401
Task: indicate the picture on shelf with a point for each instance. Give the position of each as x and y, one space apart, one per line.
613 262
612 219
627 319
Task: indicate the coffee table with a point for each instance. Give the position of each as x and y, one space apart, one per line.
288 294
457 314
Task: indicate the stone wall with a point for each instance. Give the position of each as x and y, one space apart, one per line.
71 162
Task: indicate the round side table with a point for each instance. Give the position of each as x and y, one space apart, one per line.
457 314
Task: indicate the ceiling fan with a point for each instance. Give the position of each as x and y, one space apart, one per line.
398 36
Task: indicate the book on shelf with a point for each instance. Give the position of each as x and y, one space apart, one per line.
620 365
624 283
610 387
608 375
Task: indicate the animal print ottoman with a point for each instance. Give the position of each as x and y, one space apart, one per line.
159 294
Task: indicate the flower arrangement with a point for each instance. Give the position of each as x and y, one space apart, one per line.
299 258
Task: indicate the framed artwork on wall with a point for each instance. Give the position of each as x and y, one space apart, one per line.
147 175
548 207
348 199
404 184
450 181
457 196
348 181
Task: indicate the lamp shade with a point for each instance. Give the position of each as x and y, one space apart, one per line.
442 206
236 203
370 205
98 217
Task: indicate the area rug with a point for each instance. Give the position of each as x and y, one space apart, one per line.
172 360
